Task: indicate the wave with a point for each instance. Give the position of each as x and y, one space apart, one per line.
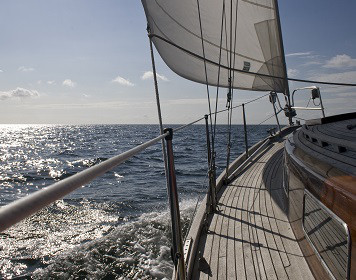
87 241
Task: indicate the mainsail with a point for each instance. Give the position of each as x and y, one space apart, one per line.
222 43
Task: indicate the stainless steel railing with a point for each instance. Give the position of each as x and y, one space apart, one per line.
26 206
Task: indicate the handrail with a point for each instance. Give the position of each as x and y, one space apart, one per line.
26 206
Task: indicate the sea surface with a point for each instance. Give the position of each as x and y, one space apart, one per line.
116 227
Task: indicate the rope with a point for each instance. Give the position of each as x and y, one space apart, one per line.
247 72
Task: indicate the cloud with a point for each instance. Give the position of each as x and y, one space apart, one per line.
340 61
310 63
149 75
25 69
122 81
345 77
69 83
51 82
18 92
1 71
299 54
293 72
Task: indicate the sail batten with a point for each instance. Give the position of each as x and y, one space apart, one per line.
249 41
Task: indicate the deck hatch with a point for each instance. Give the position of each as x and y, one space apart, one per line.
328 235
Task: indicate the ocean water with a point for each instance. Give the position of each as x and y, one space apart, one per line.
116 227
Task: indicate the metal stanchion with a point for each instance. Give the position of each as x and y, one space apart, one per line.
207 139
245 128
178 256
272 99
211 201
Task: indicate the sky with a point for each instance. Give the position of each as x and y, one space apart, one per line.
88 62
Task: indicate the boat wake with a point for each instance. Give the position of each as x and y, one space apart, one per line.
86 240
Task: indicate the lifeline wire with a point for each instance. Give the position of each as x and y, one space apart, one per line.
217 112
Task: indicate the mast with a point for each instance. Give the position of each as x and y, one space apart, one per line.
286 84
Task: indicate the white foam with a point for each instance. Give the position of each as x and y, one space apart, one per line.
133 250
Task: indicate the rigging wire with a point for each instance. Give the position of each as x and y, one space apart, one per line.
211 160
213 133
308 102
271 116
231 80
217 112
253 100
206 72
158 104
240 105
279 102
186 125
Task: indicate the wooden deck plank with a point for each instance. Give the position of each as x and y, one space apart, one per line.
250 236
256 183
275 187
233 227
239 252
253 229
235 230
218 236
279 237
225 234
268 270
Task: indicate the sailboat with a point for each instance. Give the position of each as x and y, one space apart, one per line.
285 208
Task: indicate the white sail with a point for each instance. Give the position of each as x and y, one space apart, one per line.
237 34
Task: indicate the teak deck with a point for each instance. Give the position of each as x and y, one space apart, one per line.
249 237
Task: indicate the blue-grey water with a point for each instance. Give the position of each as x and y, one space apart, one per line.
116 227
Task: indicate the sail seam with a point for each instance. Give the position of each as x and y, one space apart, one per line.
210 61
195 35
247 72
258 5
